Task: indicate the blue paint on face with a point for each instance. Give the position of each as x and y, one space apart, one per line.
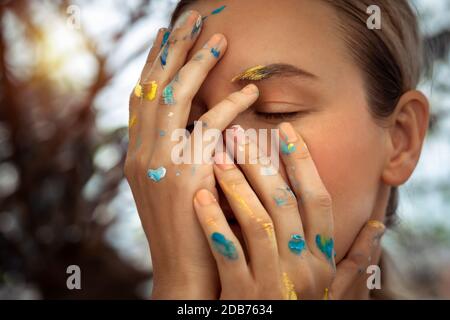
165 38
287 148
168 95
215 52
162 133
326 246
224 246
218 10
157 174
297 244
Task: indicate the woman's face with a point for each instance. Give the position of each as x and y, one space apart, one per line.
327 104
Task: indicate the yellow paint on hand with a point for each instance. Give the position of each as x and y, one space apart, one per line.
242 203
132 121
211 222
138 90
290 293
268 227
376 224
325 296
254 73
291 147
151 94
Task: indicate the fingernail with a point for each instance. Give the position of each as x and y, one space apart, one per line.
204 197
223 161
196 28
184 19
250 89
288 132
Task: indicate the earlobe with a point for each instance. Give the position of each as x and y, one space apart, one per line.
406 137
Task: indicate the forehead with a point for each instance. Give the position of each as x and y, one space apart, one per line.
298 32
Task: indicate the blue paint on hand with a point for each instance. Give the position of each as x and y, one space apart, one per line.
326 245
280 201
296 244
215 52
287 148
165 38
164 55
196 28
168 95
157 174
224 246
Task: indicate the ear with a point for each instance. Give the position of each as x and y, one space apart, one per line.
406 135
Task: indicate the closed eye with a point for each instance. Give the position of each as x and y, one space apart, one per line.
277 115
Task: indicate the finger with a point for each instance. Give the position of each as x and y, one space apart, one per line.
178 99
225 247
309 188
169 60
273 191
161 39
256 225
137 93
208 129
178 94
353 267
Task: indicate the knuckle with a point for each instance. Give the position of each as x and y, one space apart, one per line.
301 154
140 161
290 203
355 261
321 199
261 229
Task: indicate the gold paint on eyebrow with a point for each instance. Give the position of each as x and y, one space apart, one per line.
261 72
253 73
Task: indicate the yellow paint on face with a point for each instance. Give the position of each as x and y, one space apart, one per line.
290 293
151 94
132 121
254 73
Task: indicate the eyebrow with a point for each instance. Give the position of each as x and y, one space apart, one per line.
258 73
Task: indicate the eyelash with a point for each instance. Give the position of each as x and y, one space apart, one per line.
279 115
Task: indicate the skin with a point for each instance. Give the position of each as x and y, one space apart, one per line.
345 161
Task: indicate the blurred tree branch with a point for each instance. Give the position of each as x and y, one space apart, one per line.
53 151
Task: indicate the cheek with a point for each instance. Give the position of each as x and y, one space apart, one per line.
346 153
